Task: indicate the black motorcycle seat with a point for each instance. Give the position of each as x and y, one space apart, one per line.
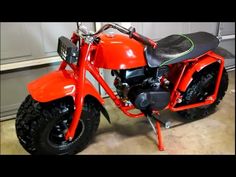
177 48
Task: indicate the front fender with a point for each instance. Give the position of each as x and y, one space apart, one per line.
188 77
58 84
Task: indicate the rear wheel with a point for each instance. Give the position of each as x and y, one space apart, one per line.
40 127
202 86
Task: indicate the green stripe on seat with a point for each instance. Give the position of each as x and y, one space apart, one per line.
184 53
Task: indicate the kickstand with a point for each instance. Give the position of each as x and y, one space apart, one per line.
157 130
160 144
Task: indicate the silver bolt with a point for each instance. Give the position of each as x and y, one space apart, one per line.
179 100
209 98
167 124
166 82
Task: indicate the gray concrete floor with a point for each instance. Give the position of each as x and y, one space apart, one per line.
212 135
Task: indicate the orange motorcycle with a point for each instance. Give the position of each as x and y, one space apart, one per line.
180 72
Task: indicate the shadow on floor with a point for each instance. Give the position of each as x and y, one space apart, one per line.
140 127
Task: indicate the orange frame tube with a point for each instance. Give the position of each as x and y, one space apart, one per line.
210 99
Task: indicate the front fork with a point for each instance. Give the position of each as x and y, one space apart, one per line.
79 100
80 76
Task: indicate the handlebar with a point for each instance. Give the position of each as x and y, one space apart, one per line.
131 32
112 25
144 39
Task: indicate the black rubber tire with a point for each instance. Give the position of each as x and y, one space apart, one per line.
192 90
35 121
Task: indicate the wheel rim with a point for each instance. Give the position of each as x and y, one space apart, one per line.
57 134
204 89
208 88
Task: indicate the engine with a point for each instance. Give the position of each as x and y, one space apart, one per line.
146 88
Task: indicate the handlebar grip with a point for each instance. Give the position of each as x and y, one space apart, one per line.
143 39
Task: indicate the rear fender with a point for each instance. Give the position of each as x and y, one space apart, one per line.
202 63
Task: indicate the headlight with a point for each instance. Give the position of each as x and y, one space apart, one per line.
67 50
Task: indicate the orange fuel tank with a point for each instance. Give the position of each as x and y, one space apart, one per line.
117 51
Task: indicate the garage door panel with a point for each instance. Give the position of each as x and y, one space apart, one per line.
13 87
160 30
52 31
227 28
14 41
210 27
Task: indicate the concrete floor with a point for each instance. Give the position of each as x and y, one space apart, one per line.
212 135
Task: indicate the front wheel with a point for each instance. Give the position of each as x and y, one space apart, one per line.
40 127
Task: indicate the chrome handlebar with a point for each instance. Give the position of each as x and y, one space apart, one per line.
91 36
86 32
